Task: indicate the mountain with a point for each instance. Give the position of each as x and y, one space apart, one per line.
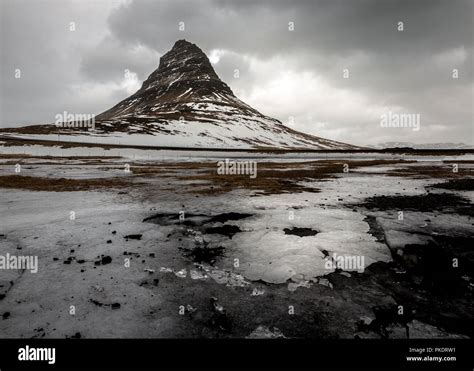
423 146
183 103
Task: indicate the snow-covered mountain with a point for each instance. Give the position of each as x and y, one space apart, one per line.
424 146
183 103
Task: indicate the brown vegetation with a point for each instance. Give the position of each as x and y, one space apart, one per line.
58 184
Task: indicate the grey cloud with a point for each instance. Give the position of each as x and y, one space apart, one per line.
109 60
409 69
36 39
337 26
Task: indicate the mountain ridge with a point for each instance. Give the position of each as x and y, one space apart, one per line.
443 145
185 103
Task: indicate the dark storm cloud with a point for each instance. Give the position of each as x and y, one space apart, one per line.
325 32
393 68
409 70
110 59
327 26
36 39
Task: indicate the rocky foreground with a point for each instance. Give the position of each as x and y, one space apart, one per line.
164 248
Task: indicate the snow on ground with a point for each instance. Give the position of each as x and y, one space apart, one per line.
243 132
190 155
271 259
39 223
272 256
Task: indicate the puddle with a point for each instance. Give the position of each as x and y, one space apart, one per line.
301 232
174 218
203 254
426 202
432 266
225 230
456 184
194 219
195 245
133 237
225 217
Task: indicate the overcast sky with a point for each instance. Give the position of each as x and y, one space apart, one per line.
296 76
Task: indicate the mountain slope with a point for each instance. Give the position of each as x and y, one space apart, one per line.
183 103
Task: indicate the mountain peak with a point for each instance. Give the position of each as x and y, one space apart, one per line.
184 95
183 103
182 44
184 75
185 66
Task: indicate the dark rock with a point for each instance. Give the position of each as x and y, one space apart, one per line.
133 237
301 232
225 230
106 260
462 184
219 318
203 254
103 260
225 217
446 202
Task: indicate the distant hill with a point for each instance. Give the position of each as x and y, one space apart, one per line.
423 146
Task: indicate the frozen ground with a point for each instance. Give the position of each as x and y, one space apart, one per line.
170 249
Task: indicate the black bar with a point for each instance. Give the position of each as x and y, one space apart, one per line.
239 353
